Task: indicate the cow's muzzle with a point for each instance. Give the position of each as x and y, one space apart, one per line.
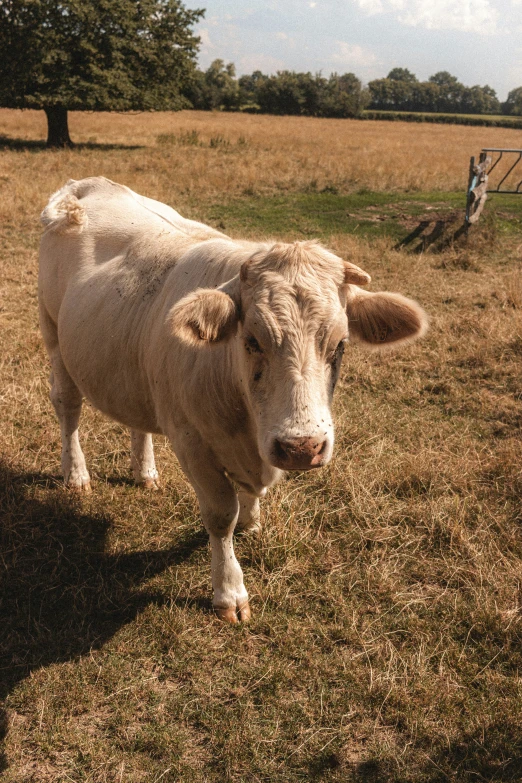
299 453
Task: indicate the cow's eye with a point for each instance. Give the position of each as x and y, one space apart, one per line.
252 345
336 355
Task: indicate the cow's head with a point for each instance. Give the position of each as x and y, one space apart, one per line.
289 313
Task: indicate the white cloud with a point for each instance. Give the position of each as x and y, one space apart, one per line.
312 5
472 16
205 39
371 7
468 16
213 21
260 62
289 42
352 56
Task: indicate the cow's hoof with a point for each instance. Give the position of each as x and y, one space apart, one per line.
82 486
151 484
249 528
230 614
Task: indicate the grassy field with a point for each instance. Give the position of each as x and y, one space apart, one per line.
386 640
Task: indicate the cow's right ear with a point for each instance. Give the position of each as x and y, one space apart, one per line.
203 317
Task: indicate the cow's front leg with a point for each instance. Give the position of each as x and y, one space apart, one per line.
230 595
219 507
142 460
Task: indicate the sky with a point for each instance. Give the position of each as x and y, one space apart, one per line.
478 41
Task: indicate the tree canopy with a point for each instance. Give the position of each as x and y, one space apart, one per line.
215 88
103 55
286 92
401 75
513 105
401 91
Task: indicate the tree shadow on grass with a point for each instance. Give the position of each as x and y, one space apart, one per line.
61 593
8 143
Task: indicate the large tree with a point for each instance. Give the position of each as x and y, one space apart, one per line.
401 75
101 55
215 88
513 105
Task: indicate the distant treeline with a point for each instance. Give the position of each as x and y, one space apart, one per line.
285 93
341 95
401 91
489 121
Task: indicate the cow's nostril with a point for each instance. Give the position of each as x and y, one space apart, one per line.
323 447
300 449
279 450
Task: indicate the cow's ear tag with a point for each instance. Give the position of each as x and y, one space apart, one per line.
355 275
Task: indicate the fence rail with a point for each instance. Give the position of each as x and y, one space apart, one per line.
479 174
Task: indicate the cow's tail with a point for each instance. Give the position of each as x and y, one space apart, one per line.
64 212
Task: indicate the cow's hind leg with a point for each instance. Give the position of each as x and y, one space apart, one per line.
249 515
142 460
67 401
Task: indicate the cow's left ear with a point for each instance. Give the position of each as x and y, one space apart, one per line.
382 319
205 316
355 275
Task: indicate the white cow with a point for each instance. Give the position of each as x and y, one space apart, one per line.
229 348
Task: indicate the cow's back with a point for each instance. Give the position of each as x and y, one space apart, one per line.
94 221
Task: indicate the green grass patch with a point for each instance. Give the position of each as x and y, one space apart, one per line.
366 214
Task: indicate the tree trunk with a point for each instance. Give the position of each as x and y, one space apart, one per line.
57 127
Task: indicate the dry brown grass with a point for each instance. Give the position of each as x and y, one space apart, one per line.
386 639
251 154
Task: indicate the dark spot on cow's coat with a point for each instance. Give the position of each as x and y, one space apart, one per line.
252 346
